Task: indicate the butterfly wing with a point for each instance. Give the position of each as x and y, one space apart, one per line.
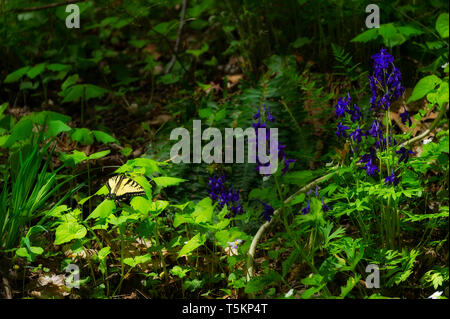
113 185
128 188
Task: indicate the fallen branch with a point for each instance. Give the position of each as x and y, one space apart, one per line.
47 6
177 41
429 130
251 251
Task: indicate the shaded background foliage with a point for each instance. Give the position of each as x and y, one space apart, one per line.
118 95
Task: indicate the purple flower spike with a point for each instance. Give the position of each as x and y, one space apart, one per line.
357 135
306 209
325 207
341 130
269 116
370 160
257 114
285 169
342 106
404 155
267 212
355 114
385 81
405 117
375 129
392 179
224 196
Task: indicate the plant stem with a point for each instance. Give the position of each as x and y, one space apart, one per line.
163 262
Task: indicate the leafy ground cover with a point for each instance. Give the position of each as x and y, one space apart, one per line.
358 207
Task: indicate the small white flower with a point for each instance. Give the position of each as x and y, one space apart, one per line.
444 65
426 141
289 293
435 295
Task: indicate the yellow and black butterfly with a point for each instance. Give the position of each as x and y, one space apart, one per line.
122 187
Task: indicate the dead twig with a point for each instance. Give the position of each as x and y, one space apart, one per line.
7 288
177 41
47 6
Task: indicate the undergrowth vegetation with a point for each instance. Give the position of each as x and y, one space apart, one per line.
357 208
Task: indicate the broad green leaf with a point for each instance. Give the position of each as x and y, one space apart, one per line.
179 272
103 210
73 93
200 51
56 127
36 70
123 219
298 177
442 25
21 131
220 115
391 36
168 181
141 204
311 291
47 116
158 206
165 27
141 180
409 31
126 151
138 43
88 91
133 262
180 219
68 231
366 36
82 135
85 199
193 284
93 91
102 253
99 154
298 199
102 191
301 42
23 252
203 211
229 235
150 166
205 113
195 242
351 283
71 80
75 158
57 67
28 85
3 140
182 206
220 225
3 107
57 211
423 87
16 75
257 284
103 137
